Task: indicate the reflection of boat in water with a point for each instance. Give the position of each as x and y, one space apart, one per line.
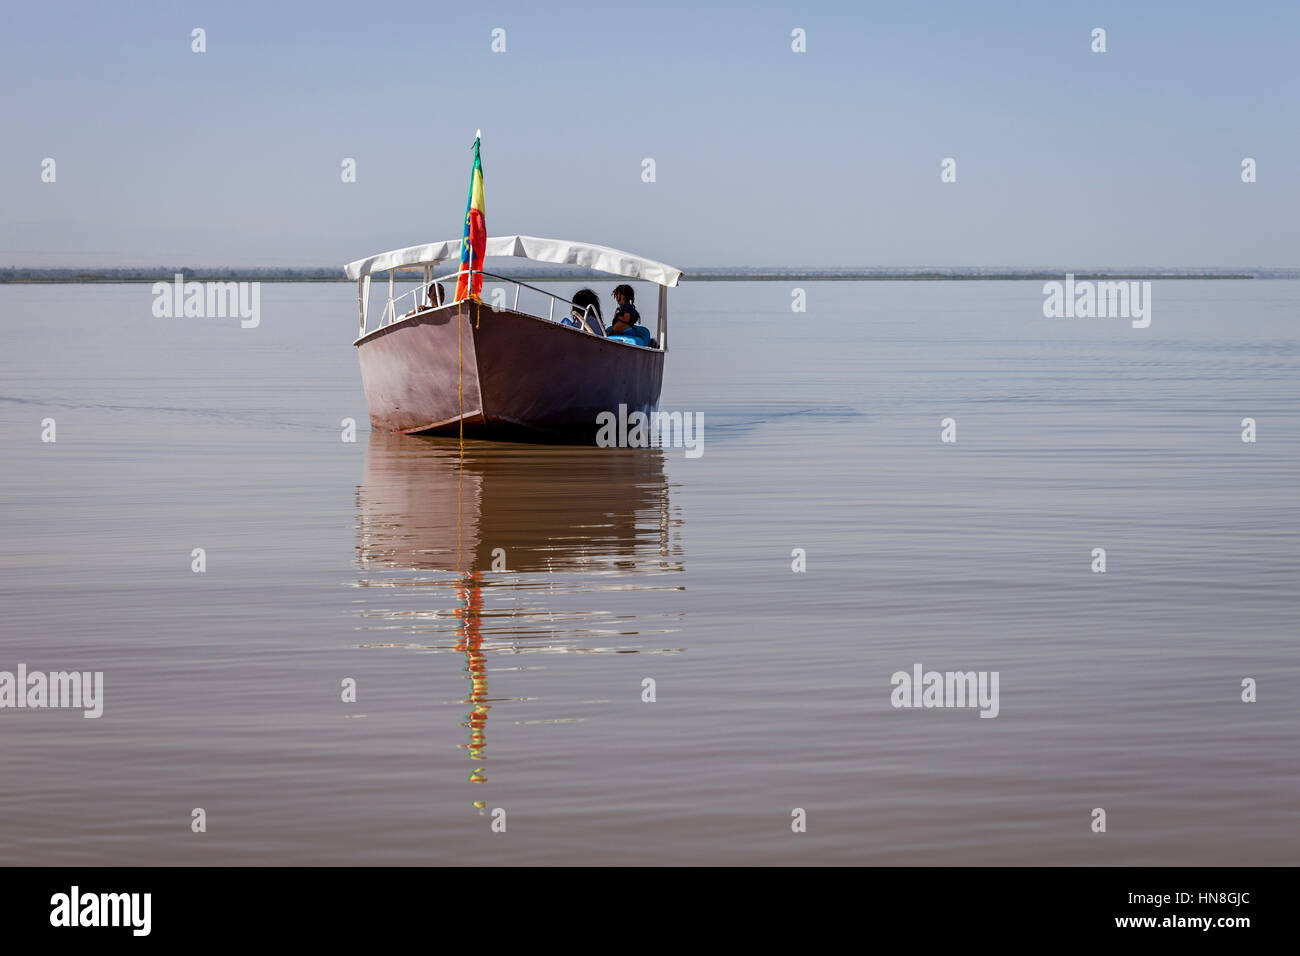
422 506
552 522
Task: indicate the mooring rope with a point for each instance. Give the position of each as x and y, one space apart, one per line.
460 382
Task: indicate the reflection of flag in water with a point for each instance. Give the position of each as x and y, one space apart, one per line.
470 643
474 240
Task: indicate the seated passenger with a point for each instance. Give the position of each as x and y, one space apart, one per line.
627 320
582 317
435 295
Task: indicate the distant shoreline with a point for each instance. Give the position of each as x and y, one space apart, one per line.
16 276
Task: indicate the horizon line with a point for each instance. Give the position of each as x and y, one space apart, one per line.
18 275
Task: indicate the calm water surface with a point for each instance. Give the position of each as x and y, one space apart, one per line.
521 689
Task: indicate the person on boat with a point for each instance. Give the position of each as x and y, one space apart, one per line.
582 317
627 320
435 295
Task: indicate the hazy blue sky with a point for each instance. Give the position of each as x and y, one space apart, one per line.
764 156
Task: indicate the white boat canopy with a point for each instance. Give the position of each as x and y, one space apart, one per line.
561 251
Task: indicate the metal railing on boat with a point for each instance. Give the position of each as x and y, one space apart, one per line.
421 302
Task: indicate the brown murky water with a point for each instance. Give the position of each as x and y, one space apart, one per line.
501 611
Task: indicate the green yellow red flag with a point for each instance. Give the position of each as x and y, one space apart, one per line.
469 282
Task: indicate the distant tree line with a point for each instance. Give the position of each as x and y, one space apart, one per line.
156 273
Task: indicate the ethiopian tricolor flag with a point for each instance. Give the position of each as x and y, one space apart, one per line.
474 240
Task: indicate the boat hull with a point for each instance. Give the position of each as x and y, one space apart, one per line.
501 373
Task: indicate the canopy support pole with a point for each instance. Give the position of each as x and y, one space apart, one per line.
663 318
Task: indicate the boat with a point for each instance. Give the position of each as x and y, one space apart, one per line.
478 367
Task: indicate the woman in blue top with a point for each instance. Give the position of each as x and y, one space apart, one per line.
585 313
